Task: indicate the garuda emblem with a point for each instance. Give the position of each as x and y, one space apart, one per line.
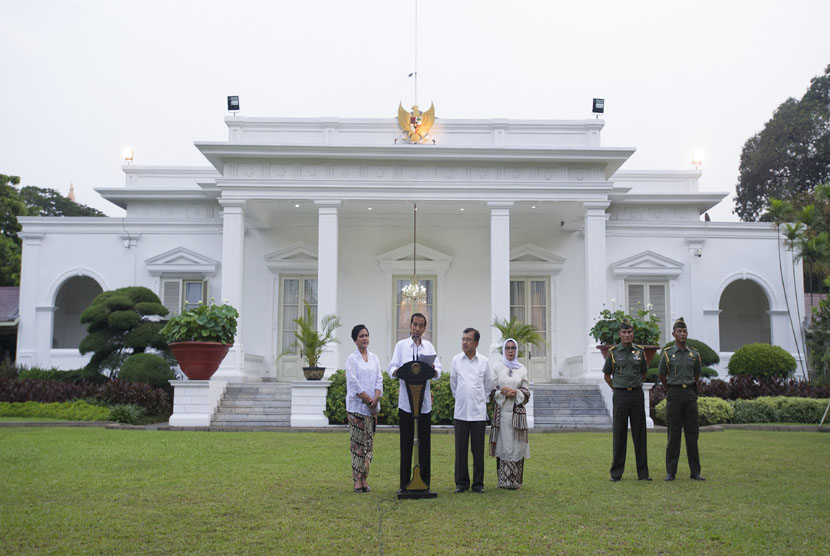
416 124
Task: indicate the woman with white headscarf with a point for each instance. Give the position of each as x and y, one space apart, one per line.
508 435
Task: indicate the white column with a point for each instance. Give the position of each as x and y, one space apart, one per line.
327 253
595 283
499 266
232 368
29 343
694 320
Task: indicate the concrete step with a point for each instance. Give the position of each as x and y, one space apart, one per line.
573 419
235 417
254 405
569 406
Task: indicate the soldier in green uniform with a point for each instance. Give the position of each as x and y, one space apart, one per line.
680 374
624 371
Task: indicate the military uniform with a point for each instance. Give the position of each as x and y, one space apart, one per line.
681 369
626 365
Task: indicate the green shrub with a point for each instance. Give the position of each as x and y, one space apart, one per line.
8 369
754 411
714 411
796 410
443 402
708 372
708 356
126 413
710 411
147 368
336 400
79 375
77 410
761 360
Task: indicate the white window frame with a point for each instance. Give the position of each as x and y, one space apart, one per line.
181 302
281 325
665 323
546 333
431 333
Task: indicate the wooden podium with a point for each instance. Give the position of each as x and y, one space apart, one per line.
415 375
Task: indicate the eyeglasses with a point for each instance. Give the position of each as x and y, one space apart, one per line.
510 348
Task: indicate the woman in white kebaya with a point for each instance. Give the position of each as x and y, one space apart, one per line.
508 434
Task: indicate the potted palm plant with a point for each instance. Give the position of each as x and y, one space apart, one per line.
311 341
525 334
200 338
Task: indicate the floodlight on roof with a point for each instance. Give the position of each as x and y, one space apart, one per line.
233 103
599 106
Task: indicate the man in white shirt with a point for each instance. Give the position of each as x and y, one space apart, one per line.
470 381
409 350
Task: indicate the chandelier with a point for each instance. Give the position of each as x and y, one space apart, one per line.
414 292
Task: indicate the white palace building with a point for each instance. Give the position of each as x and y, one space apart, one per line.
534 219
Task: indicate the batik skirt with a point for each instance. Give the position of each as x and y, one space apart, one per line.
362 434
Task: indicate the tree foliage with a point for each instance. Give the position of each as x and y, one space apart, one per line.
48 202
790 155
29 201
119 323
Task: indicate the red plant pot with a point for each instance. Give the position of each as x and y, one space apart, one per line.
199 360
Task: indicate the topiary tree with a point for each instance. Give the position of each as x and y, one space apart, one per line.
708 356
119 323
147 368
761 361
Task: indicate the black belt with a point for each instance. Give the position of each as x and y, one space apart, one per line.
629 389
682 385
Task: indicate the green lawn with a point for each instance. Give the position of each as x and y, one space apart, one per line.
98 491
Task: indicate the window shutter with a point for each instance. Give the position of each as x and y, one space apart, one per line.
171 291
636 298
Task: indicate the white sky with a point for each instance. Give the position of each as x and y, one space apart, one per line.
82 79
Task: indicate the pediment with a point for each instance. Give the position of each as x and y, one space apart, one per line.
427 259
298 257
647 264
181 261
529 259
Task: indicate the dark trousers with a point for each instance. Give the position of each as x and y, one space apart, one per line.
469 435
407 426
681 413
629 405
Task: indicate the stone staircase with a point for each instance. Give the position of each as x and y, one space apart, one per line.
569 406
254 405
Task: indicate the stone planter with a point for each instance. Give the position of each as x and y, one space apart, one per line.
199 360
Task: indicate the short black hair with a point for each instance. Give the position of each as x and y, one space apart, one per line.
625 325
476 334
356 330
412 318
679 323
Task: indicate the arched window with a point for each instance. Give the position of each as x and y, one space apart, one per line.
744 315
73 297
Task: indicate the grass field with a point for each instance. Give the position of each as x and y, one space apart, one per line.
98 491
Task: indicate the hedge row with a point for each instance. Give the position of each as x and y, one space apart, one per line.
153 400
443 403
749 388
72 411
778 409
710 411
